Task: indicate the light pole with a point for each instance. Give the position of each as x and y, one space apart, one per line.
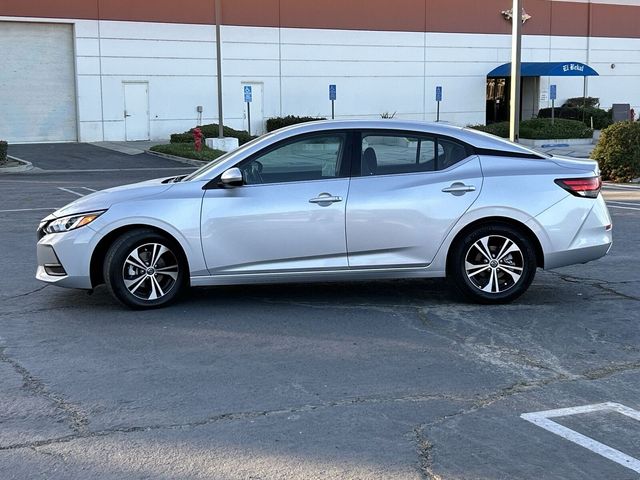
218 13
516 51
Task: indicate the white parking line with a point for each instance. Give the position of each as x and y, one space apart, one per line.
71 191
624 203
542 420
89 189
27 209
624 208
613 186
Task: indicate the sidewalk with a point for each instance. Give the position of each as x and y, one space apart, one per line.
129 148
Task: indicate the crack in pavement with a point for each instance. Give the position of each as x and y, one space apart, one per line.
426 447
425 454
26 294
77 421
364 400
603 285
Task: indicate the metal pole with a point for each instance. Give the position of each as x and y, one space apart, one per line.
438 112
249 117
553 112
218 13
516 51
333 110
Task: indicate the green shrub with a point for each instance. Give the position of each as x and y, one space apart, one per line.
279 122
618 152
582 101
540 129
500 129
3 151
211 131
601 118
187 150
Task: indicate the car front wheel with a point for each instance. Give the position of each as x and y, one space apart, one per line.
493 264
143 269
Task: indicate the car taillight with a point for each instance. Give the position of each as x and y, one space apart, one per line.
581 187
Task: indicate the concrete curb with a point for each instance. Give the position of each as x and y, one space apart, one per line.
188 161
25 167
564 142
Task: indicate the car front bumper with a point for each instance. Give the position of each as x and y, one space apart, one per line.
64 259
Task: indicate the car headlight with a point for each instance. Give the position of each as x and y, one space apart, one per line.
71 222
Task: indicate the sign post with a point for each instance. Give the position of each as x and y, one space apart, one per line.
553 90
516 57
438 100
332 97
247 98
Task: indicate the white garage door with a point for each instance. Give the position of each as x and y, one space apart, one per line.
37 87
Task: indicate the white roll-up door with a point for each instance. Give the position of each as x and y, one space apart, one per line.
37 82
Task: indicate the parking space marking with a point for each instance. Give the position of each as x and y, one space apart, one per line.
71 191
27 209
543 420
133 169
624 203
89 189
614 186
624 208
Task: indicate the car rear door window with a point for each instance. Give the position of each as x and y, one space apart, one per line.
396 154
393 154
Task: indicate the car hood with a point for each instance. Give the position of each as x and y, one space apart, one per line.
104 199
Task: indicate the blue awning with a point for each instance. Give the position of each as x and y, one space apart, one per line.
546 69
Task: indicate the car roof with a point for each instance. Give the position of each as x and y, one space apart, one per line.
470 136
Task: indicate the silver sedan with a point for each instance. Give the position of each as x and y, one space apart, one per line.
337 200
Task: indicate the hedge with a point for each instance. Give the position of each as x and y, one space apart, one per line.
540 129
279 122
618 152
187 150
601 118
582 102
3 151
211 131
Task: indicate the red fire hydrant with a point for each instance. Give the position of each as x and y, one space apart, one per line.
197 139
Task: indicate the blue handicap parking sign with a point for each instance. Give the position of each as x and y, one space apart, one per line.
553 92
438 94
247 93
332 92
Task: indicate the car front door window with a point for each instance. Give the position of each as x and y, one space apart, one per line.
311 158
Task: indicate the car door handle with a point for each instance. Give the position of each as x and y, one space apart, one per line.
325 198
459 188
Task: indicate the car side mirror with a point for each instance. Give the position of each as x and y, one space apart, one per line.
232 177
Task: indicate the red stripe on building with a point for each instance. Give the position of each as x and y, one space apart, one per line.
447 16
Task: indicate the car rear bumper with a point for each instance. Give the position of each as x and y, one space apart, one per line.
578 255
577 236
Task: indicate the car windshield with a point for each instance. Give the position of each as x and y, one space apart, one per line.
202 171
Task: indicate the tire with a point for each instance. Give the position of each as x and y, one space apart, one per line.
493 264
138 280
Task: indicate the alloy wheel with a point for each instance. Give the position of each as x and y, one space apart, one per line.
494 264
150 271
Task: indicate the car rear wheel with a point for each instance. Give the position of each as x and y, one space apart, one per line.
493 264
143 269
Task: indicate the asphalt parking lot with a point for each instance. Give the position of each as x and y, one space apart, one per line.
394 379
